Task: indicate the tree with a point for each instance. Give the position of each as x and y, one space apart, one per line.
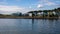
20 14
1 14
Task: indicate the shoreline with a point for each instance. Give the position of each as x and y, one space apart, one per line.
27 17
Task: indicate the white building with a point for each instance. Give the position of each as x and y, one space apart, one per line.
30 14
54 12
40 13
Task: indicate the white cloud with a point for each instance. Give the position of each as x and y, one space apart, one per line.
47 2
50 3
10 8
13 9
39 6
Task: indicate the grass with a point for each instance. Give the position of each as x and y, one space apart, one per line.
27 17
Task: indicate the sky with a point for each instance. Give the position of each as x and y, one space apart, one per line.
23 6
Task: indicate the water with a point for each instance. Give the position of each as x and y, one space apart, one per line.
29 26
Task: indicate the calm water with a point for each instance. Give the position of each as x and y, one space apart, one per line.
29 26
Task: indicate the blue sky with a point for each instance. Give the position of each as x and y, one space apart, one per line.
12 6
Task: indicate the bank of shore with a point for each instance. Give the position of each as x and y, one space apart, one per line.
28 17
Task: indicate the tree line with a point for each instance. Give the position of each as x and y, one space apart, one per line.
57 10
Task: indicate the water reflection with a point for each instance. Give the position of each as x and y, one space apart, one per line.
30 26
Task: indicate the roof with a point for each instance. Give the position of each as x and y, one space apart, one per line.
39 11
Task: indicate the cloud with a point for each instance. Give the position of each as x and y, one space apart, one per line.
39 6
43 3
50 3
47 2
13 9
10 8
30 7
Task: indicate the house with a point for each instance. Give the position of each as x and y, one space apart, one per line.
40 13
35 13
30 14
54 12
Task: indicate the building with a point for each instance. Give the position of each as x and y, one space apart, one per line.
44 13
40 13
30 14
